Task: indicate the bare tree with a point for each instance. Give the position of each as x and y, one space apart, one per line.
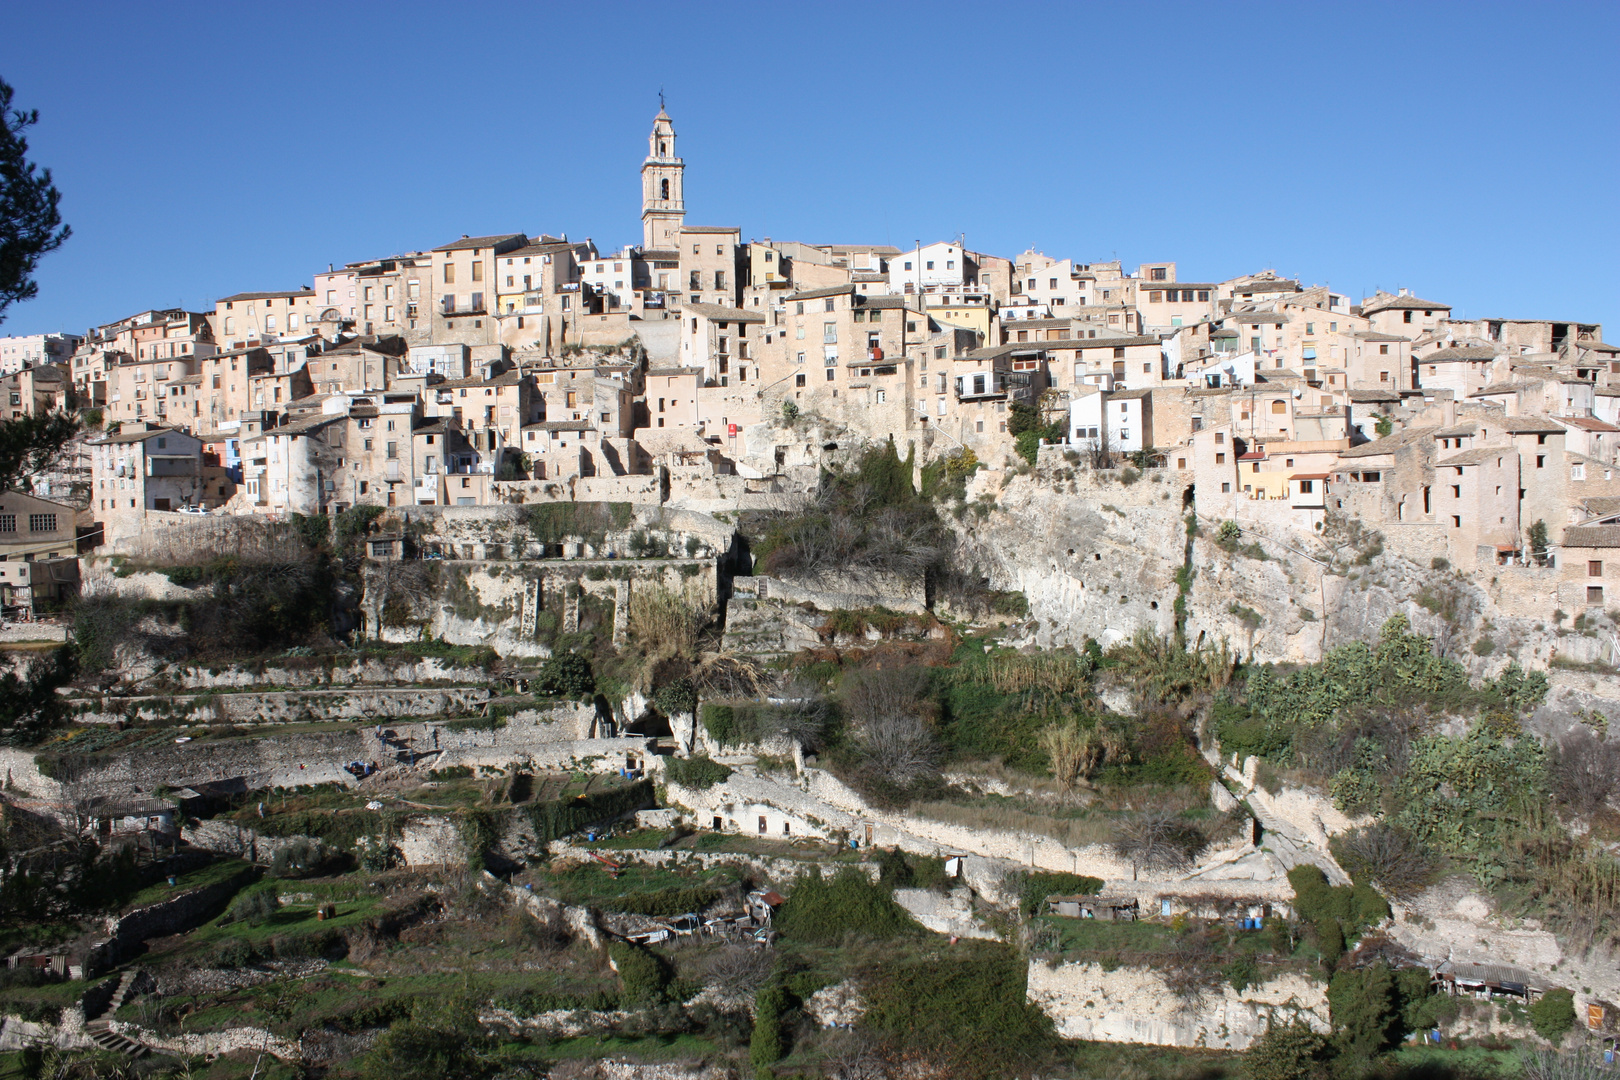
739 970
1099 451
1585 771
886 707
1158 841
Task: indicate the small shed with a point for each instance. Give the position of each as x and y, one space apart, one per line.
385 547
1111 908
1485 980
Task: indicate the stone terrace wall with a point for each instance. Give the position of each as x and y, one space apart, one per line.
1136 1005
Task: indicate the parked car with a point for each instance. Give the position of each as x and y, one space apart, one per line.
194 509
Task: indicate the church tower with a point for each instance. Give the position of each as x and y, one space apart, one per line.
663 205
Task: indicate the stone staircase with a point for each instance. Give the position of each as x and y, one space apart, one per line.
100 1031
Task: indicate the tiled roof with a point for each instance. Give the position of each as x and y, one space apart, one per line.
1473 457
816 294
1592 536
298 293
1531 425
1389 444
722 313
1588 423
467 243
1401 303
1459 352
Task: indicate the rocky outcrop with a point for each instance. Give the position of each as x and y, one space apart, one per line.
1137 1005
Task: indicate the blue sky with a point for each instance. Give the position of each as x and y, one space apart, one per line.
1466 151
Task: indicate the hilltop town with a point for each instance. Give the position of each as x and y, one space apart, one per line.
808 659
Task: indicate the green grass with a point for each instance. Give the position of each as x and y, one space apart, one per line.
665 1047
212 874
591 884
1473 1062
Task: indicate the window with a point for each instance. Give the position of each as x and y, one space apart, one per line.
1226 489
8 523
1406 316
1594 568
829 333
449 278
829 304
1307 486
798 380
1594 594
1220 459
1577 471
831 373
393 451
1278 407
41 523
931 266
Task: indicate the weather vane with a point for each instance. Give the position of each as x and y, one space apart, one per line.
660 99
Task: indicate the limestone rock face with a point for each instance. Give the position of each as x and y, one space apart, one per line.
1136 1005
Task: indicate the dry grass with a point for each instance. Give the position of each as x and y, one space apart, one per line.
1073 832
1053 673
667 623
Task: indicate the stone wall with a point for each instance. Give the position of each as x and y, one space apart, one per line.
284 707
175 915
1137 1005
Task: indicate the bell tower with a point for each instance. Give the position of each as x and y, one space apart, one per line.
663 205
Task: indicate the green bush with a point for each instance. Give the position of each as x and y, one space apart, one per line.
822 910
298 859
1355 907
967 1004
232 953
1365 1010
664 902
643 975
769 1041
1286 1052
1038 886
1553 1015
565 675
556 819
254 908
698 773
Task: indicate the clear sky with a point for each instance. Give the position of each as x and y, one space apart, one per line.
1466 151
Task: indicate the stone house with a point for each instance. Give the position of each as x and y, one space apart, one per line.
248 319
1404 314
461 281
295 468
1121 421
672 397
224 393
712 266
146 467
725 342
34 391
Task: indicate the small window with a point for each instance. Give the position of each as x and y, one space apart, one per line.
1594 594
1594 568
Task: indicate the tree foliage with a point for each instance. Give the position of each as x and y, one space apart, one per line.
566 675
30 220
822 910
1553 1015
1287 1052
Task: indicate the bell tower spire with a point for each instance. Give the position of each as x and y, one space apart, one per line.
663 204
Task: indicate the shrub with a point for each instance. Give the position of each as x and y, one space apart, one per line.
254 908
790 411
674 698
1364 1007
823 910
1384 855
298 859
967 1004
697 773
1291 1052
1037 887
642 973
566 675
664 902
1553 1015
1354 907
233 953
769 1041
